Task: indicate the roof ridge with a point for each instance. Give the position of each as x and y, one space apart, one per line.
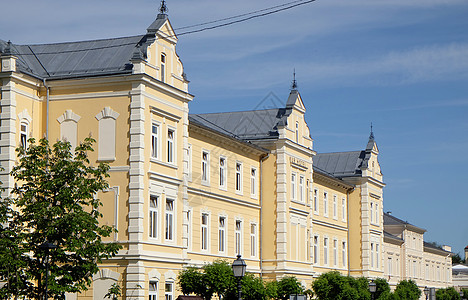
240 111
82 41
339 152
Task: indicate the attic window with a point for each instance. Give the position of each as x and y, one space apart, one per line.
297 132
163 67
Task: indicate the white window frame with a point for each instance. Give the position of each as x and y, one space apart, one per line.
205 167
343 209
376 210
155 140
169 295
189 161
238 236
372 212
325 204
316 201
189 215
253 239
222 173
153 290
163 67
301 188
316 249
335 207
171 145
253 182
169 219
335 252
372 249
325 251
344 256
238 179
377 256
222 220
153 220
297 132
293 186
24 134
205 232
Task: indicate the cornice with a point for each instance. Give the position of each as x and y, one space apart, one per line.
222 198
333 181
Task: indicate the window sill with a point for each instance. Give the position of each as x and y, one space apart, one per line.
153 160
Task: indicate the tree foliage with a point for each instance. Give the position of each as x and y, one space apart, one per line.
447 294
333 285
55 201
407 290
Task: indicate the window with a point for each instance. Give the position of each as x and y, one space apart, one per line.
335 252
169 219
293 186
238 236
222 234
343 254
316 201
377 259
204 232
253 239
343 209
390 266
325 204
170 146
377 213
372 254
335 207
107 133
253 182
205 167
297 132
189 229
316 249
372 212
325 251
222 172
301 188
239 177
189 161
153 290
153 217
168 291
24 135
163 67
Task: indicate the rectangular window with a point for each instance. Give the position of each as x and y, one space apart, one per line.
301 188
325 251
253 239
163 67
239 177
222 172
335 252
377 213
253 182
343 209
372 212
204 232
205 167
238 237
316 249
153 290
170 146
335 207
189 161
24 135
316 204
343 254
153 217
169 219
372 254
293 186
390 266
189 229
297 132
222 234
377 256
325 204
155 141
169 291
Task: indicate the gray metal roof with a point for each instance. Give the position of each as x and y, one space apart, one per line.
83 58
245 125
390 220
340 164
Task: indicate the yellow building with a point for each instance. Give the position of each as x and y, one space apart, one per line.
189 189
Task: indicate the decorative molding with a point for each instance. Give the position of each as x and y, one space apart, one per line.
106 273
24 115
68 115
107 112
154 274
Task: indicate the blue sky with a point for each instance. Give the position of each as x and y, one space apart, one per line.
402 65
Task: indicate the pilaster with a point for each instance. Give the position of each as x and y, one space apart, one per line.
281 209
8 133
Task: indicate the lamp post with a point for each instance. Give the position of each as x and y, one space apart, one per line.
426 292
46 246
372 288
461 294
238 267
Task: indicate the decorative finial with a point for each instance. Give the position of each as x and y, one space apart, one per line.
371 137
163 9
8 48
294 82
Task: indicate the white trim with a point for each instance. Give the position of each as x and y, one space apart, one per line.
107 112
24 116
68 115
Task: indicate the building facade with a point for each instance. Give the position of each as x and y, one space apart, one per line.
187 189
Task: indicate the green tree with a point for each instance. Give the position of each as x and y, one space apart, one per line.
457 259
333 285
218 278
253 288
190 281
382 289
272 289
54 200
289 285
407 290
447 294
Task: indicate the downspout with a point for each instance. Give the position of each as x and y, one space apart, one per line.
347 219
261 214
47 108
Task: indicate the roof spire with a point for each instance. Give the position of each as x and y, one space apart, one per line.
294 82
163 8
371 136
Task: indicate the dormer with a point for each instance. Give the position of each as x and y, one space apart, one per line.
370 165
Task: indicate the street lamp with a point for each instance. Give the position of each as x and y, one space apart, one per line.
372 288
426 292
461 294
238 267
46 246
